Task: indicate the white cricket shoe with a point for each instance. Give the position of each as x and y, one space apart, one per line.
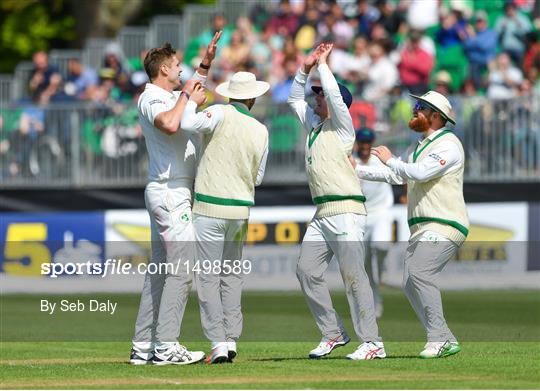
231 347
219 353
176 354
326 346
440 349
368 351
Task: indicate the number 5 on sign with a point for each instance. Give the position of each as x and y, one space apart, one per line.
23 241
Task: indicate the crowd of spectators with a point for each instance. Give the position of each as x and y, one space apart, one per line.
381 48
380 45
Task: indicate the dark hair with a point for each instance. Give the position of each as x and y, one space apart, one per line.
155 57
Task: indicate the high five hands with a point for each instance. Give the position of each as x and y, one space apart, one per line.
323 50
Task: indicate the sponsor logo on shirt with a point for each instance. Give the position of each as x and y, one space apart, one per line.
441 161
208 114
153 102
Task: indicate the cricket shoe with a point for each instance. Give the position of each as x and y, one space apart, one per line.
231 347
219 354
440 349
326 346
368 351
140 358
176 354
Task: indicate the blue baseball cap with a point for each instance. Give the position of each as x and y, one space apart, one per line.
345 93
365 135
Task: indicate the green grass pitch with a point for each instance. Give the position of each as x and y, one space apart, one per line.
499 333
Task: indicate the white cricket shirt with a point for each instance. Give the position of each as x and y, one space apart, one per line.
171 157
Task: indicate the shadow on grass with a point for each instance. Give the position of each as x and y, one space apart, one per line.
277 359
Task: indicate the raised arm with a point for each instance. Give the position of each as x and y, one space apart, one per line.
337 109
209 56
297 94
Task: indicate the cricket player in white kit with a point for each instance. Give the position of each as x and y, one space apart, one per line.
379 201
232 164
339 222
172 164
437 216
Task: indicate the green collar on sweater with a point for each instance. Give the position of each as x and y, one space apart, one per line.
313 134
418 152
241 109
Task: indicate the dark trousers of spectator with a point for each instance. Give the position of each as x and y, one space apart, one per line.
476 71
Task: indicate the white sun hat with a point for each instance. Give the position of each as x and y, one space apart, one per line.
243 85
437 102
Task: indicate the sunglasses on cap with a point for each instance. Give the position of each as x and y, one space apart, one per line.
419 105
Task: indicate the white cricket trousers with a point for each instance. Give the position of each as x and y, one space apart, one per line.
164 295
342 236
426 256
219 292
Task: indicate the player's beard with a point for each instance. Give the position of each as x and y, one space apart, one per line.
419 124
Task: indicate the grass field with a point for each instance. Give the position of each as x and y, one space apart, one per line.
499 331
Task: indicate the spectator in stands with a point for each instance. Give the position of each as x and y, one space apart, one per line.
338 59
307 32
196 47
44 79
283 21
532 55
235 55
105 92
452 29
113 61
289 52
356 65
335 28
480 44
415 65
280 91
422 14
512 28
219 23
21 142
378 32
443 80
382 74
80 79
389 18
261 53
366 16
245 28
532 77
504 78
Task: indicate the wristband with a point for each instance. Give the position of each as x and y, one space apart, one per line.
187 95
201 65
